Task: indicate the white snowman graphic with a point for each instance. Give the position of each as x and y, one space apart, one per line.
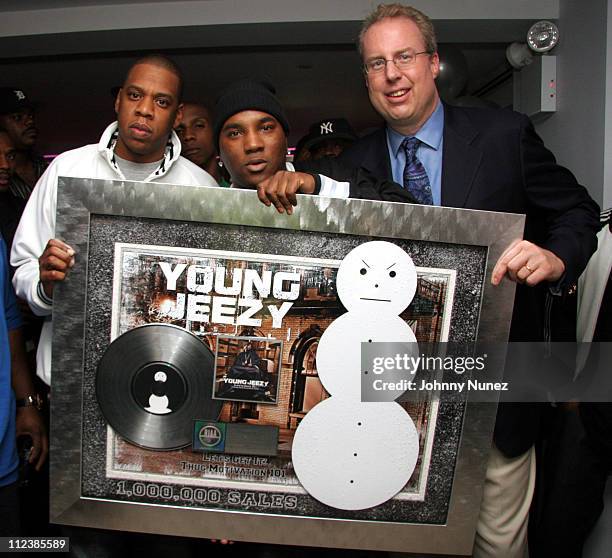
346 453
158 401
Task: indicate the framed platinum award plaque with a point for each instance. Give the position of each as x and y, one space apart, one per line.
185 364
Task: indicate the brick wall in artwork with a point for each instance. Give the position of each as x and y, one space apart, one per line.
278 415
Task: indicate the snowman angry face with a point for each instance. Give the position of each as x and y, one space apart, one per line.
160 376
377 276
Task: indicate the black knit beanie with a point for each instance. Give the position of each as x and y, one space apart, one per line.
247 94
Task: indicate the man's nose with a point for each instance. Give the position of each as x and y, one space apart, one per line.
333 150
391 71
252 141
145 106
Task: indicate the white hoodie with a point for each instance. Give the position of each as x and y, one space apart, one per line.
37 225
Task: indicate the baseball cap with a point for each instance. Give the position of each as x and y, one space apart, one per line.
13 99
330 128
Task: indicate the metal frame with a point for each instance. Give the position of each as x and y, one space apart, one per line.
79 198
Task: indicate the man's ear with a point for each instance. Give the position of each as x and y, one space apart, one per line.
434 64
118 100
178 117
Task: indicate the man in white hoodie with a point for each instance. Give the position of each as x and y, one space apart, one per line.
140 146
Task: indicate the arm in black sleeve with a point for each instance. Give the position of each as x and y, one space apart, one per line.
558 206
363 184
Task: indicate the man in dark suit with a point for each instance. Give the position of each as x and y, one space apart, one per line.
479 159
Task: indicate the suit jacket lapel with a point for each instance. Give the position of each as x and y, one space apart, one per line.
460 158
376 158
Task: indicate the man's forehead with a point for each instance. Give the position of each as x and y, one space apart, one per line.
193 110
246 117
151 76
392 33
5 141
21 111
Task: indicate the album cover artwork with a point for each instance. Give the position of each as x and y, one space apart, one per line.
247 369
261 316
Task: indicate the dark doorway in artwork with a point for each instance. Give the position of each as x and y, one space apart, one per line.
307 389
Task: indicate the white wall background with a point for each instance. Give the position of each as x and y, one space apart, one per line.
607 188
578 132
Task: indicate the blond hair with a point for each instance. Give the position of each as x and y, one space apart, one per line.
384 11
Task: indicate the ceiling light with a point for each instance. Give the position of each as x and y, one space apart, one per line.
542 36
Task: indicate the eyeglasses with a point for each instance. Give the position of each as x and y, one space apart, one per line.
401 60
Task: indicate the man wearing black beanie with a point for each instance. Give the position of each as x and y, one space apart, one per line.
251 130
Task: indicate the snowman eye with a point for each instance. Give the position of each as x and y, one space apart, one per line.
392 274
363 271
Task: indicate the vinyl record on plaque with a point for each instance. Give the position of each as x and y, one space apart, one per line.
152 382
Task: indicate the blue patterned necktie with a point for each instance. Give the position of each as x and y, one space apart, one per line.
416 180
